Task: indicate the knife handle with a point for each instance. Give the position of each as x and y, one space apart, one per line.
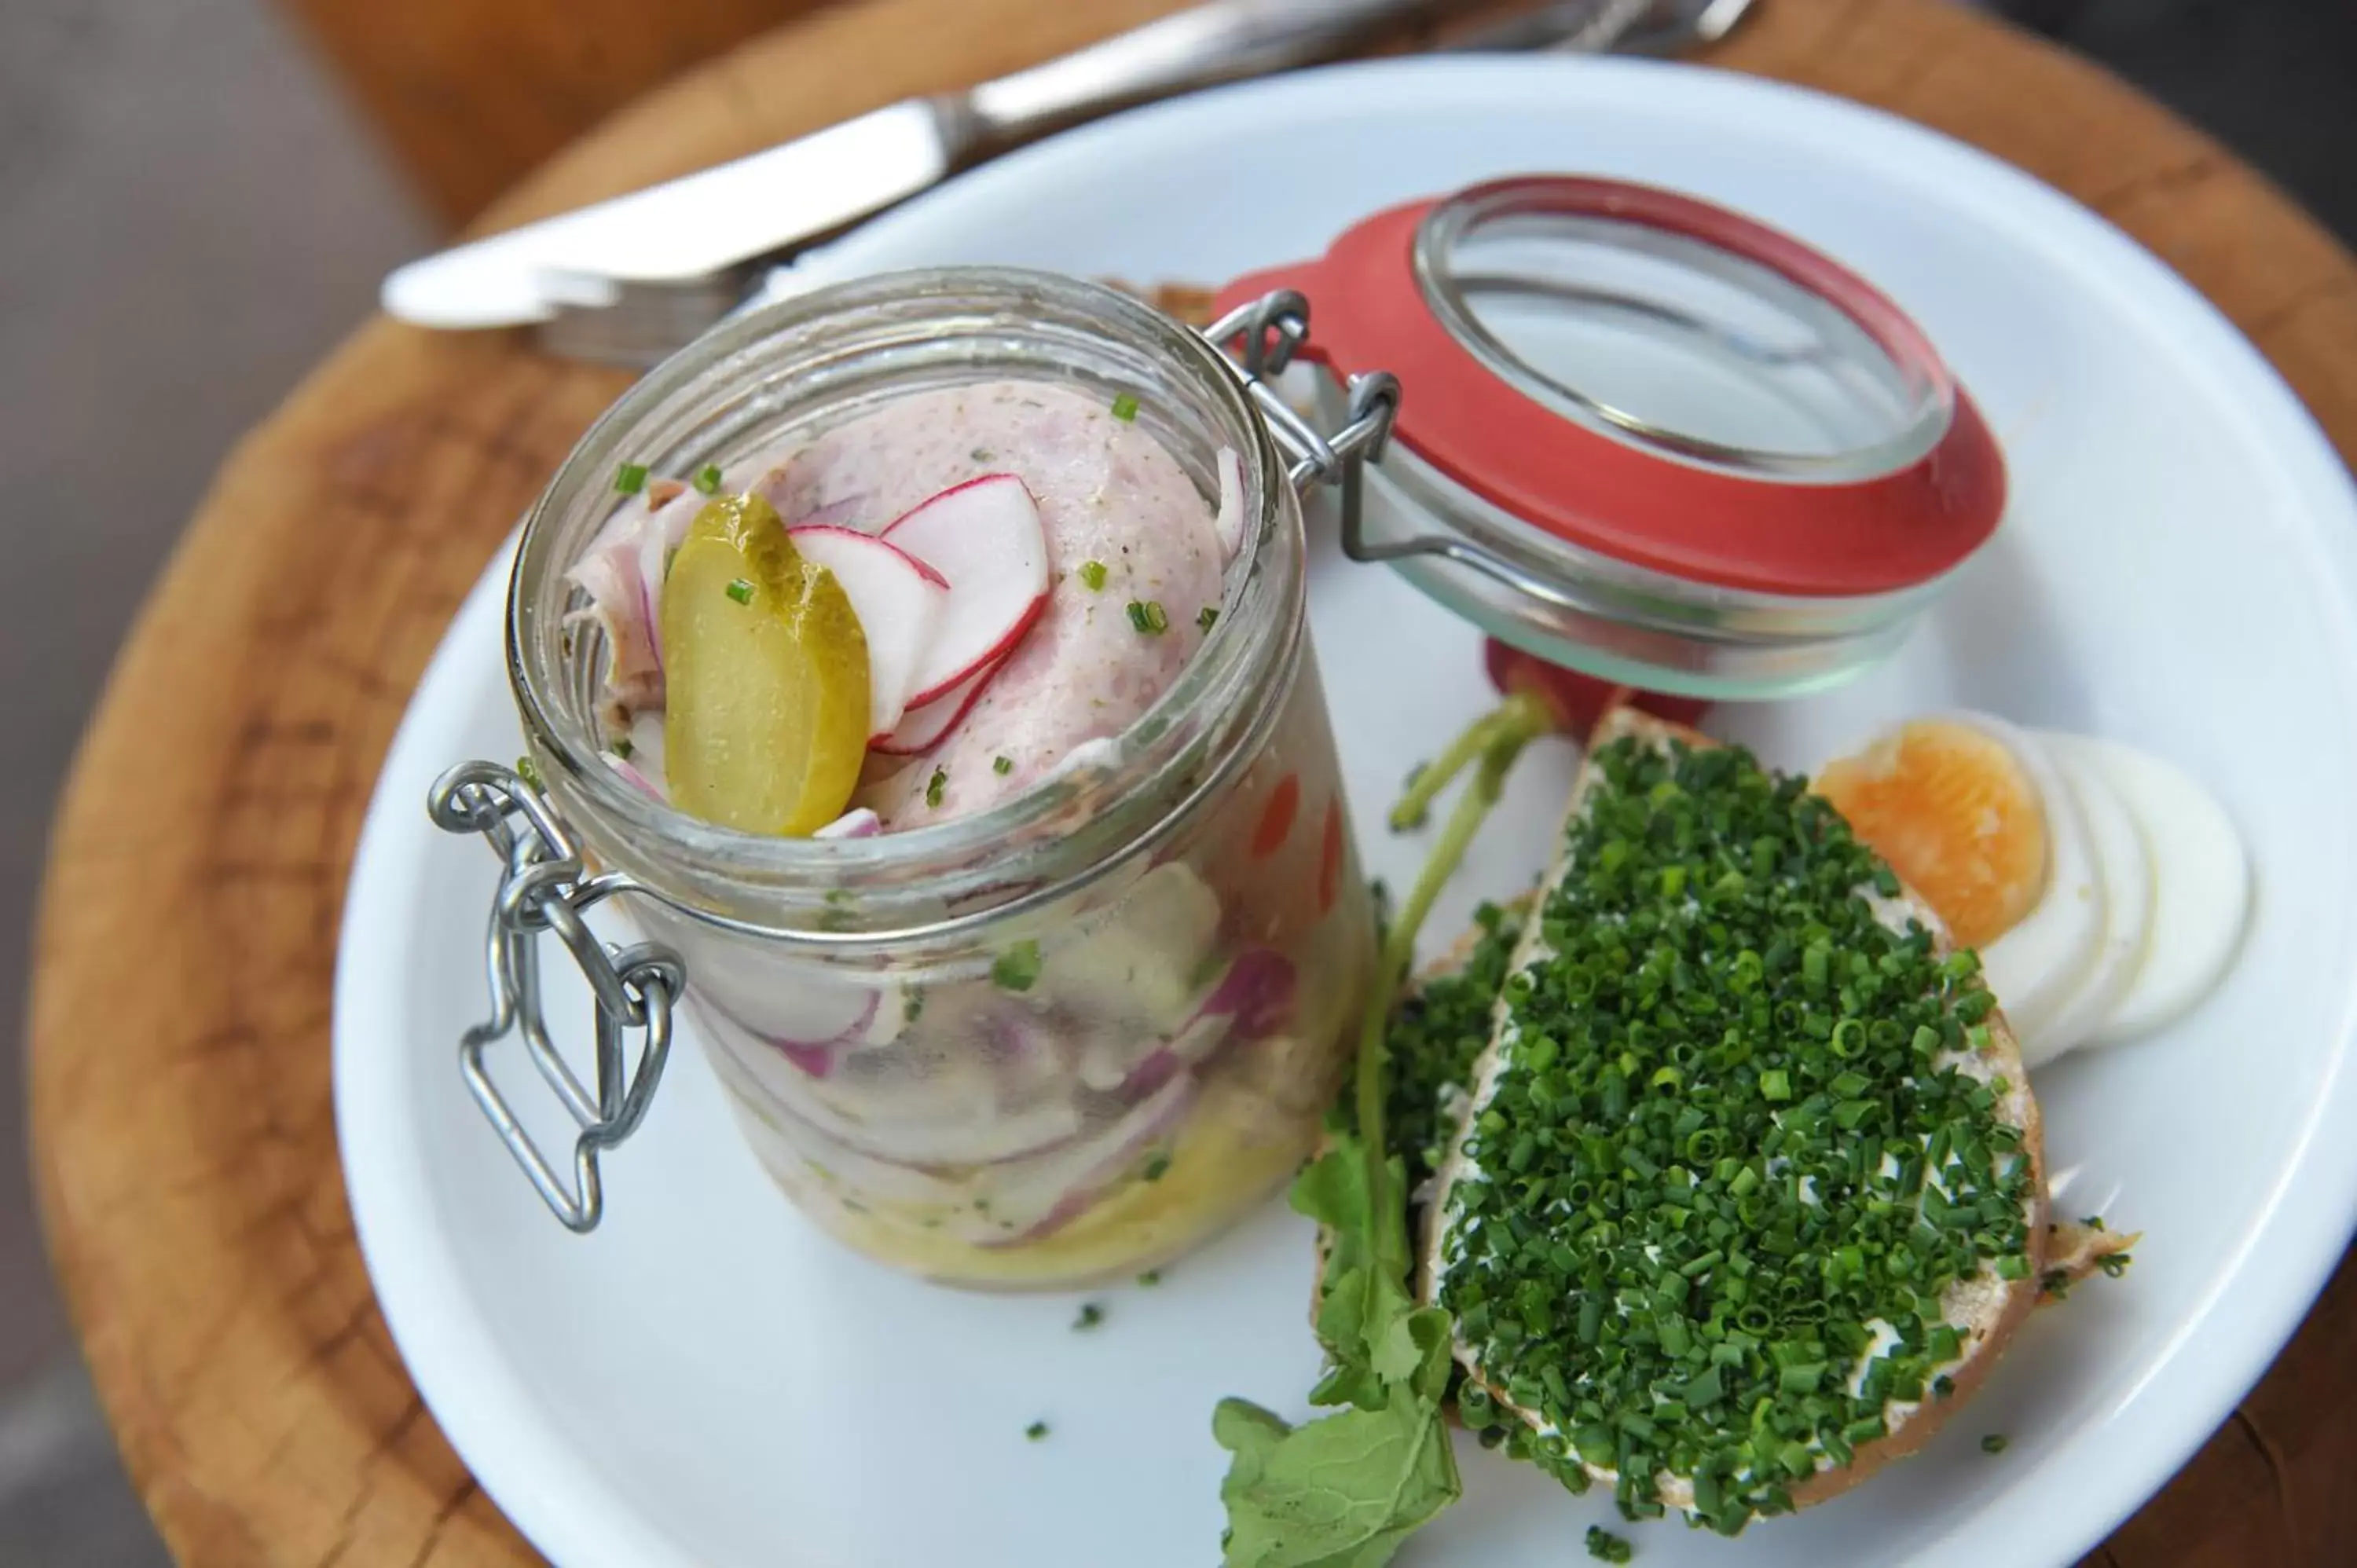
1195 48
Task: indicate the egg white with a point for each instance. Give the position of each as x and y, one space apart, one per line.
2201 887
2034 967
2124 862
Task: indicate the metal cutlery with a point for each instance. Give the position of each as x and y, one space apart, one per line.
629 280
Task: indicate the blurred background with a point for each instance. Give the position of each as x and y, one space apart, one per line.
196 199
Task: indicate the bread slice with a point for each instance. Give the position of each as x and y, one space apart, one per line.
1985 1308
2077 1250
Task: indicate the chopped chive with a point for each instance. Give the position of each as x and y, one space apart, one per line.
1156 1165
1147 616
1125 408
622 746
981 455
1002 765
1093 573
1090 1316
1150 1278
1992 1443
1036 1431
935 786
1207 617
1606 1547
740 590
529 771
1017 968
631 478
707 479
1716 1147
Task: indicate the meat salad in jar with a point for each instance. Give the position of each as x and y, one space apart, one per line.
928 653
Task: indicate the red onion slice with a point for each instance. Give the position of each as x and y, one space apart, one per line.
1058 1190
1256 992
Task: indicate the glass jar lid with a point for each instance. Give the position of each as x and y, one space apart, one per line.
1714 457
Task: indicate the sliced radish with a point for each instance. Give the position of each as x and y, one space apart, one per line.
986 537
856 824
922 728
1230 521
813 537
899 601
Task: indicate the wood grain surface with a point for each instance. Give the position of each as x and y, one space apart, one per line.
183 1140
469 96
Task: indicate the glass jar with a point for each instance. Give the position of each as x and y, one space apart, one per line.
1063 1039
1650 438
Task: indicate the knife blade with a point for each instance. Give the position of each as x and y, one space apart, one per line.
723 218
703 223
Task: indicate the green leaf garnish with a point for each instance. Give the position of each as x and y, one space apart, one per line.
1344 1490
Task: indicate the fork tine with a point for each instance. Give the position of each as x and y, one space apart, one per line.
645 324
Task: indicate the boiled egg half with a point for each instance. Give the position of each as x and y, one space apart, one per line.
2103 888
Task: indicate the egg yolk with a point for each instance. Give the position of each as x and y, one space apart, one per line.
1956 815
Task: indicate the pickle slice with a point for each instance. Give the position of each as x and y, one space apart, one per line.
765 677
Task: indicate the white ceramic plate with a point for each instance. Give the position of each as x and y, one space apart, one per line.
705 1382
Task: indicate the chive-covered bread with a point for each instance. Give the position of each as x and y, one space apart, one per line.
1438 1030
1751 1191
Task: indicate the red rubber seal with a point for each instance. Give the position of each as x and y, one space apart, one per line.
1613 494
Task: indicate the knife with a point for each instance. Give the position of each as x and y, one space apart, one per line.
720 220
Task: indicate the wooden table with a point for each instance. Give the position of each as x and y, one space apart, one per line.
185 1149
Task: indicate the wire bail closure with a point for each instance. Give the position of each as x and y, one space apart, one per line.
542 888
1263 336
1273 329
545 888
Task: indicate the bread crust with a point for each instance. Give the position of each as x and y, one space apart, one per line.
1987 1307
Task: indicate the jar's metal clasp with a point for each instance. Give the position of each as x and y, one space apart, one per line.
543 887
1264 335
